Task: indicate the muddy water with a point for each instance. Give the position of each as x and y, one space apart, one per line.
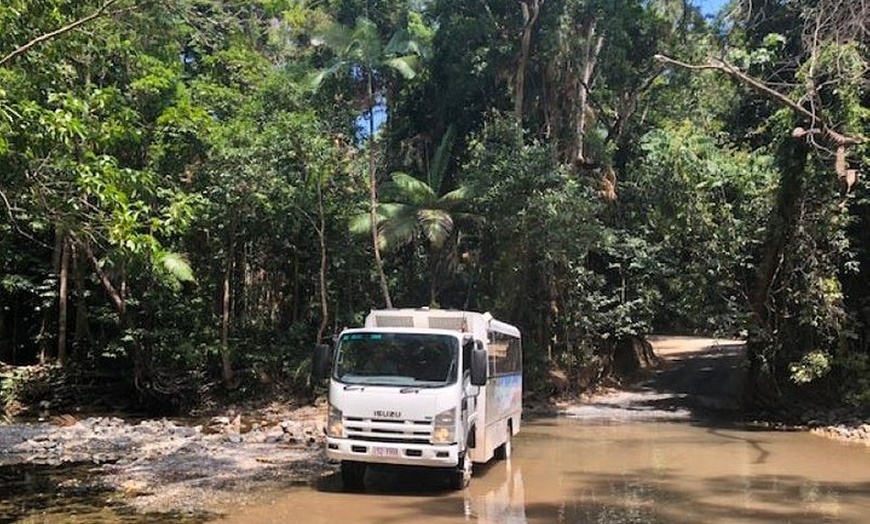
580 471
69 494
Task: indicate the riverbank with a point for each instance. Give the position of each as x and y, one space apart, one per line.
163 465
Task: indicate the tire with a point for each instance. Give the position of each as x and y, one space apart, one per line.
353 475
504 451
460 476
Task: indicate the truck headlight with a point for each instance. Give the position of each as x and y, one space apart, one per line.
444 429
334 424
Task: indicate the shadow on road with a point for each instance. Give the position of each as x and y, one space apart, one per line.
698 378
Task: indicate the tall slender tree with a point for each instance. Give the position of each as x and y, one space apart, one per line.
360 53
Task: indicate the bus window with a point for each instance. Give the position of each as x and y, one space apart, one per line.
505 354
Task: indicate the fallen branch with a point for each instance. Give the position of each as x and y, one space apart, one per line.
732 71
48 36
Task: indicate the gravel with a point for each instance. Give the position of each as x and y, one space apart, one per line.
162 465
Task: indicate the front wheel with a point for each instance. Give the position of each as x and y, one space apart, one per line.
460 477
353 474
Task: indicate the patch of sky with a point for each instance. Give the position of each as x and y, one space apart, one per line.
369 120
710 7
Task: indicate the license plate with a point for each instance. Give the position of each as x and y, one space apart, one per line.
385 452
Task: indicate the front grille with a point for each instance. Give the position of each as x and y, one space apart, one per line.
392 431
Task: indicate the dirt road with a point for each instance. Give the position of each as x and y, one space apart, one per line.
697 377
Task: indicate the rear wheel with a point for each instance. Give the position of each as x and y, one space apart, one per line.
503 452
460 477
353 474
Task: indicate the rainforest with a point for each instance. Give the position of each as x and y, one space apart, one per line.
194 193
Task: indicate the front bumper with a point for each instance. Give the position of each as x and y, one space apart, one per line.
392 453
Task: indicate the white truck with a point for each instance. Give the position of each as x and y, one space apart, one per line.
422 387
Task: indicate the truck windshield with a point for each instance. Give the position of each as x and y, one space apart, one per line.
397 359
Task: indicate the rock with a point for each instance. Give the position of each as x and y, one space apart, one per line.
159 458
256 437
134 488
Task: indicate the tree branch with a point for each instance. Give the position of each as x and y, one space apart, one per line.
8 206
48 36
720 65
114 295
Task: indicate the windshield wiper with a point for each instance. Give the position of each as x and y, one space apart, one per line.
409 390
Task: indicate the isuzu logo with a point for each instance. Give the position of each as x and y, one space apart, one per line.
385 413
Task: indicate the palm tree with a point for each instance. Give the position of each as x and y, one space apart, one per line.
360 53
415 211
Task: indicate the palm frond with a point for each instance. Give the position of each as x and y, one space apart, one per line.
335 36
402 228
441 158
391 210
466 217
437 225
412 189
177 266
405 65
458 196
363 29
360 223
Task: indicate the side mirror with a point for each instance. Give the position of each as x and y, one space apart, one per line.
322 359
478 367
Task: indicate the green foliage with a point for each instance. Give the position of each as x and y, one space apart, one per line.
813 365
177 162
574 283
765 54
704 207
361 47
177 268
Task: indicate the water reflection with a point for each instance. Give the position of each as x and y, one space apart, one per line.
566 471
504 503
677 473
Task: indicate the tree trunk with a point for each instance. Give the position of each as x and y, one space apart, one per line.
82 329
13 338
226 303
46 313
762 387
321 238
373 195
116 297
436 265
4 351
62 302
793 157
296 284
379 263
592 48
531 9
122 287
